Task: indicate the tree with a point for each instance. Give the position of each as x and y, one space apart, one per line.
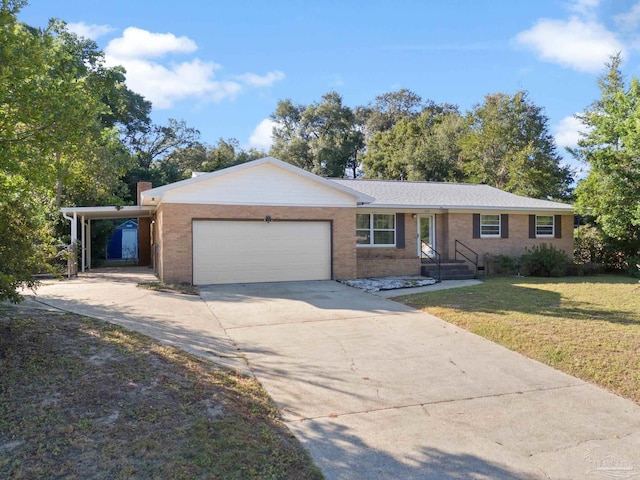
420 148
388 109
204 158
508 146
55 132
323 138
25 89
152 147
610 194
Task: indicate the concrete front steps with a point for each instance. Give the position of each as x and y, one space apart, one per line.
449 270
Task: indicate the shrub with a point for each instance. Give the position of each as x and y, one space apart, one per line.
501 264
592 247
545 261
633 266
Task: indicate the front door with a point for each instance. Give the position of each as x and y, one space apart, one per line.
426 236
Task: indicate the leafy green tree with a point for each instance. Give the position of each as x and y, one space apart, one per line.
292 136
57 142
610 194
323 138
152 147
508 145
388 109
25 239
418 148
203 158
28 101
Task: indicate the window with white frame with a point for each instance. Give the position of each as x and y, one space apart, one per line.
375 229
490 226
544 226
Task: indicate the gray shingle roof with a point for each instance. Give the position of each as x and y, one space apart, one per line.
390 193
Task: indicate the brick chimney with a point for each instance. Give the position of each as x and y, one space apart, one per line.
141 187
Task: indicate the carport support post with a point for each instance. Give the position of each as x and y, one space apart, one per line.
82 248
89 244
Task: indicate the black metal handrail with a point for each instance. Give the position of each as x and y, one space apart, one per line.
435 257
470 251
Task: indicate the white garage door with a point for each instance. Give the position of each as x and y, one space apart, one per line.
245 252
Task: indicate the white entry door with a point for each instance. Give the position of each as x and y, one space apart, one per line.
129 243
257 251
426 235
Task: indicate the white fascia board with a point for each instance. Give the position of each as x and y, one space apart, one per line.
158 192
110 211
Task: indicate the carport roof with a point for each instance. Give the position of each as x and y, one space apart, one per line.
100 213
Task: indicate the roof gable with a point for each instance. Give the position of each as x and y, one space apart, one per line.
267 181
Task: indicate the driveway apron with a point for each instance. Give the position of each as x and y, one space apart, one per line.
377 390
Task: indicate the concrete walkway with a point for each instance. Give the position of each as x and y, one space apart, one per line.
376 390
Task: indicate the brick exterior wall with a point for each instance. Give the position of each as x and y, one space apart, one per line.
388 261
460 227
379 262
174 233
173 238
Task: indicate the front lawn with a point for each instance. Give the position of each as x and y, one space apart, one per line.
585 326
81 398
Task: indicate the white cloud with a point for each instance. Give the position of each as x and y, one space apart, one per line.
164 85
138 43
261 138
584 7
567 132
164 82
254 80
582 45
630 20
91 31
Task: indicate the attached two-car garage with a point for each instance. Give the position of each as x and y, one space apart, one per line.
226 251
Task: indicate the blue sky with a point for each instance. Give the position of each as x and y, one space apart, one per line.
223 66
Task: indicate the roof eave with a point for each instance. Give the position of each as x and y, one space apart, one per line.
568 209
110 211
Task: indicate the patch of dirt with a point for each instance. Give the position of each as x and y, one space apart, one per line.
181 288
80 398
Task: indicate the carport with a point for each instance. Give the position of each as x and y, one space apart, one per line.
86 214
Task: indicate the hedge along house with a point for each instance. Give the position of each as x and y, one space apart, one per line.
267 220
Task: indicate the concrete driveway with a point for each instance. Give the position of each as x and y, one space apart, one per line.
376 390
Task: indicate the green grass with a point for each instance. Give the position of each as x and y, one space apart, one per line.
80 398
588 327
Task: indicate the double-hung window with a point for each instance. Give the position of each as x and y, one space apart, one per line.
544 226
489 226
376 229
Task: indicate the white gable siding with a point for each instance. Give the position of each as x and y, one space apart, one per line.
261 185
